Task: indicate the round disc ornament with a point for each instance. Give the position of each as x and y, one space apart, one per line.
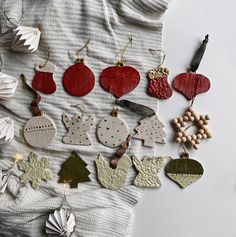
112 131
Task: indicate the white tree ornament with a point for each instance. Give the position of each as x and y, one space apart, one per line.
8 86
6 130
150 131
25 39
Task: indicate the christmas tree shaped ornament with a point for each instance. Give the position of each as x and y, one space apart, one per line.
158 85
184 171
78 79
35 170
199 122
39 131
111 178
78 128
120 79
43 80
150 131
111 130
190 84
6 130
148 170
74 171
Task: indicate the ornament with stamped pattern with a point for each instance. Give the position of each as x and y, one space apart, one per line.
158 85
40 130
78 79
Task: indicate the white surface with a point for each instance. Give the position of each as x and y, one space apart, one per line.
208 207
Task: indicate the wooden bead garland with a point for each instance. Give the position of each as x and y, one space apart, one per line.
199 122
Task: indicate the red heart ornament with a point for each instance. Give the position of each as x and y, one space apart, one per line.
43 79
78 80
191 84
159 87
119 80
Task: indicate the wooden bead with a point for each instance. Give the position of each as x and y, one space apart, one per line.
180 119
197 141
175 120
194 137
178 139
184 139
192 118
199 136
189 138
179 134
185 118
204 136
193 142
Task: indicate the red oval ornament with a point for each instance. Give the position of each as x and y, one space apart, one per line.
119 80
78 80
191 84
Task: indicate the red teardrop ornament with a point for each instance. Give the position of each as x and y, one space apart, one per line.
119 80
78 80
43 79
191 84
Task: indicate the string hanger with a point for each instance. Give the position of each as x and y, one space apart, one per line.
47 60
120 62
80 107
160 54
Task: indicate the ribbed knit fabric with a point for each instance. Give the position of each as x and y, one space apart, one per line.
66 26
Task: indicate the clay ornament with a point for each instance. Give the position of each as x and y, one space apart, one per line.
150 131
148 170
190 84
181 125
8 85
43 80
184 171
120 79
39 131
112 131
111 178
78 79
78 129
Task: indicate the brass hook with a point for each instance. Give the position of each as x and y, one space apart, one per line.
160 54
80 60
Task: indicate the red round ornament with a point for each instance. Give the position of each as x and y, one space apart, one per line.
119 80
78 80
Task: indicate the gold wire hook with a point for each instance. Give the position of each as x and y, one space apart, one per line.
47 60
160 54
77 54
122 51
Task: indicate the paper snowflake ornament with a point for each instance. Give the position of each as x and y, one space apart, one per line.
6 130
61 223
35 170
111 178
4 176
150 131
78 130
189 119
8 85
148 170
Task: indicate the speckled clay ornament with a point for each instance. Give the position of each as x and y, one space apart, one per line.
184 171
39 131
150 131
111 178
35 170
43 80
148 170
112 131
199 122
78 129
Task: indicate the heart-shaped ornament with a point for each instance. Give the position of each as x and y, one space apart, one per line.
191 84
119 80
184 171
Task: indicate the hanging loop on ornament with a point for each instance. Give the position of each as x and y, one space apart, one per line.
80 107
160 54
121 53
78 59
47 60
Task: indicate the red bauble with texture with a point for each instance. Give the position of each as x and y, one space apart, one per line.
160 88
191 84
119 80
78 80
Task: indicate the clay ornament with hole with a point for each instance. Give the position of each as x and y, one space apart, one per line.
43 80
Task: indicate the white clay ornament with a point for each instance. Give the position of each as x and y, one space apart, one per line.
25 39
148 170
111 178
6 130
112 131
8 85
78 129
150 131
39 131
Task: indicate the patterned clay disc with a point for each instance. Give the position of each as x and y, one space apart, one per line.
39 131
112 131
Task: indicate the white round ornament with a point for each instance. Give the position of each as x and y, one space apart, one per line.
39 131
112 131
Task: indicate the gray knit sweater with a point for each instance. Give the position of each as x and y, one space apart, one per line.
66 25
